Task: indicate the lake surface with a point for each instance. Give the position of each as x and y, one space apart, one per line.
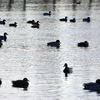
26 54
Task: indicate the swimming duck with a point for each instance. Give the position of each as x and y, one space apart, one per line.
73 20
30 21
63 19
67 69
13 24
54 44
92 85
86 19
3 22
4 37
83 44
21 83
47 14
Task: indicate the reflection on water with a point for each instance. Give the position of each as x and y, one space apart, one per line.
26 54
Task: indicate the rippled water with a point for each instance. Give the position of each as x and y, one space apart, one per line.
25 54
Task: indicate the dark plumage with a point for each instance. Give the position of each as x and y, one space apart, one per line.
86 19
54 44
4 37
83 44
13 24
67 69
73 20
3 22
78 2
47 14
1 43
0 82
30 21
63 19
21 83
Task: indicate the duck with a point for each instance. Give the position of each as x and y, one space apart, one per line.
4 37
92 85
21 83
54 43
3 22
73 20
1 43
30 21
86 19
63 19
67 69
47 14
83 44
13 24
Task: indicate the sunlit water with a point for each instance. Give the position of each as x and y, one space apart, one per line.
25 54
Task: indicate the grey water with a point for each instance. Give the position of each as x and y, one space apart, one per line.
26 54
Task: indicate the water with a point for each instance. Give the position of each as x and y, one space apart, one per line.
25 54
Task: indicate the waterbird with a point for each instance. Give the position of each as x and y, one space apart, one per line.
92 85
63 19
30 21
67 69
21 83
47 14
83 44
3 22
13 24
4 37
86 19
54 43
73 20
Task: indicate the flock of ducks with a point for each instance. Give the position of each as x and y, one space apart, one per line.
24 83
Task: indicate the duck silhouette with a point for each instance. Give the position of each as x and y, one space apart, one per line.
4 37
30 21
67 69
0 81
73 20
47 14
86 19
13 24
63 19
83 44
92 85
54 43
3 22
21 83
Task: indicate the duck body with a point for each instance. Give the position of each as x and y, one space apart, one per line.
47 14
73 20
13 24
30 21
83 44
63 19
3 22
54 44
86 19
4 37
78 2
92 85
20 83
